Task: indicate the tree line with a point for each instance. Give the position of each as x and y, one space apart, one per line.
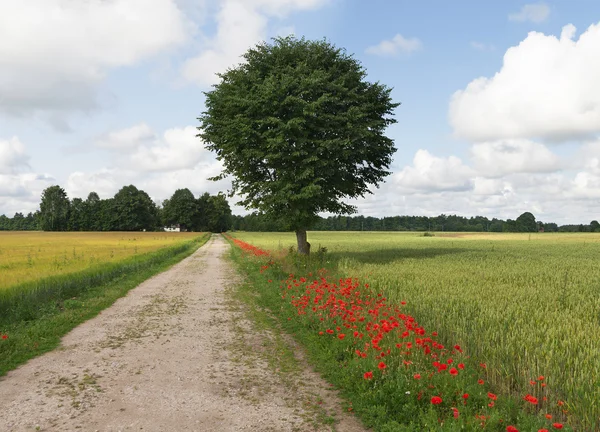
524 223
131 209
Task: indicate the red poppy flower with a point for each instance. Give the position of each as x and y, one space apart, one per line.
453 372
4 337
381 365
543 430
341 336
461 365
368 375
436 400
549 416
455 412
557 425
492 396
511 429
480 382
531 399
465 396
417 376
541 378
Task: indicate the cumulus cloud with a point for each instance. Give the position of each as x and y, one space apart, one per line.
431 173
156 163
22 192
178 149
13 157
547 88
503 157
127 139
53 53
139 148
535 12
240 25
398 44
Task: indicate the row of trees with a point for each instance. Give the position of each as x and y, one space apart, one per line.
524 223
131 209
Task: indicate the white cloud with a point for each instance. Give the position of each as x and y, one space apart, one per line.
431 173
179 149
547 88
105 182
127 139
53 53
22 192
535 12
240 25
498 158
139 148
13 157
395 45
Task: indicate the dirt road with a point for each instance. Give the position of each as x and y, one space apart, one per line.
178 353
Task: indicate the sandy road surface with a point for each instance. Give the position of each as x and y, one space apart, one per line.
176 354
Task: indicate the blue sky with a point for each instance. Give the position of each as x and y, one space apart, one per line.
97 95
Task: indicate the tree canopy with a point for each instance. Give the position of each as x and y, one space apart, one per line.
299 129
54 209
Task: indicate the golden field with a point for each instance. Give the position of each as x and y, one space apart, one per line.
30 255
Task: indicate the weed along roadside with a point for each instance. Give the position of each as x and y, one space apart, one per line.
35 315
395 374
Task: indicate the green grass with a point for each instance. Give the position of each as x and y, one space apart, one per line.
527 305
37 314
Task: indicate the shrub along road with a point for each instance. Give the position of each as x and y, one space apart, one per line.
182 351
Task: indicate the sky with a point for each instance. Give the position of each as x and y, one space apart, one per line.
499 114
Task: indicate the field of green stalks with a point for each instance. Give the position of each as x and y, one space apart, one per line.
527 305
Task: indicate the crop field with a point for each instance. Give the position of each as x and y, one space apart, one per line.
525 305
28 256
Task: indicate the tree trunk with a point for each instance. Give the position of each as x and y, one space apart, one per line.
303 244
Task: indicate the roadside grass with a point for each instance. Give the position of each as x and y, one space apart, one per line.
281 354
389 402
35 316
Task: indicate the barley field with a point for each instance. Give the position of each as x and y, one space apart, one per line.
527 305
26 256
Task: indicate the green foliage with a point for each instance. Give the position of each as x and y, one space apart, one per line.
54 209
181 209
299 129
134 210
526 223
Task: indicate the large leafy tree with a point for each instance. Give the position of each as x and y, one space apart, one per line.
133 210
299 129
526 223
181 209
54 209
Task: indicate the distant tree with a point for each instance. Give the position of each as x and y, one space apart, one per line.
181 209
219 214
134 210
299 129
77 215
54 209
526 223
594 226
